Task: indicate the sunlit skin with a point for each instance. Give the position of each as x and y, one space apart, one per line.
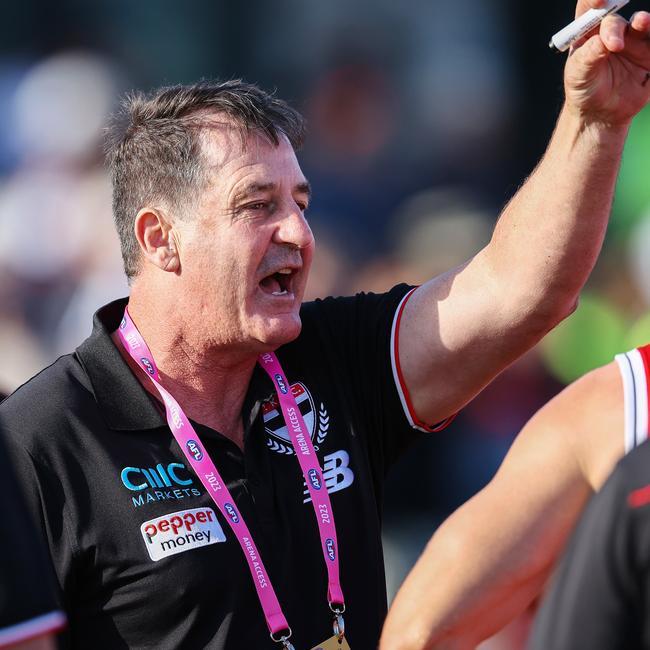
248 225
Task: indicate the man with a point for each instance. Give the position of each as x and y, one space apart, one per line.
29 615
492 557
599 597
209 202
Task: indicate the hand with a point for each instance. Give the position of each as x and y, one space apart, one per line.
606 75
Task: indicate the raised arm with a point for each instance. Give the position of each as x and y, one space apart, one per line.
490 559
458 331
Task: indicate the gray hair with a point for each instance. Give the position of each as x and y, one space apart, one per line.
153 145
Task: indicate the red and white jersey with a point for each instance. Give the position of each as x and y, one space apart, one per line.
635 371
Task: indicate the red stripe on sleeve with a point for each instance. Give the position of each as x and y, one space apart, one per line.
429 428
645 355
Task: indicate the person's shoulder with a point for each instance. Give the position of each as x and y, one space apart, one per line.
45 401
594 399
357 301
589 416
601 386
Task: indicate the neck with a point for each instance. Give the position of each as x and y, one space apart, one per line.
209 383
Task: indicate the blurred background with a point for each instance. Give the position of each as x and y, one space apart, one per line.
424 119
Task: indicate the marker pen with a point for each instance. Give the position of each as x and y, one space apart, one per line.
583 24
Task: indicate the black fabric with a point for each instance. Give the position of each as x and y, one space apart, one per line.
26 579
600 597
84 423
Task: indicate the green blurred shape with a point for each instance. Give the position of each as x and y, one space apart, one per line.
589 338
639 333
632 198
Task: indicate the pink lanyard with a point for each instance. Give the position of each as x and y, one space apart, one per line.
202 464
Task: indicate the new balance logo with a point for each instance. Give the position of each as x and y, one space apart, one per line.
336 473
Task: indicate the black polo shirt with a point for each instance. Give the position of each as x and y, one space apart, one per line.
144 558
600 598
28 607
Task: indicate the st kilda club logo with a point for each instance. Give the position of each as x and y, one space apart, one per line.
317 421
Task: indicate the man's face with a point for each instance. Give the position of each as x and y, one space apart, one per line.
247 250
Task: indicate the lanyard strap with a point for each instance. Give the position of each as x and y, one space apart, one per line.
202 464
204 468
312 473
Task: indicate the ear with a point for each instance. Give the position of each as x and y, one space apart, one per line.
156 238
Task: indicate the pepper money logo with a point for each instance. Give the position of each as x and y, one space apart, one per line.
160 483
177 532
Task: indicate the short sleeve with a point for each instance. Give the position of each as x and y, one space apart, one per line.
400 384
353 338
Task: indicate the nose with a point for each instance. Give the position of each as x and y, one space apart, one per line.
293 229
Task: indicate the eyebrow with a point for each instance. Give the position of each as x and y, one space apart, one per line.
256 188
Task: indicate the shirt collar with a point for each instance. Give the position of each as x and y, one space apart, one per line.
124 403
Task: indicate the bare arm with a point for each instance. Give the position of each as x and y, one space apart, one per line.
490 559
461 329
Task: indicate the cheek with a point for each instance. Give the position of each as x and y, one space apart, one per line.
308 257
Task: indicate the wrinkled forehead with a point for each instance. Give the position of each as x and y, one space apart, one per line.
230 152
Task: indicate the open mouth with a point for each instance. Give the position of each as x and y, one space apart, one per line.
278 283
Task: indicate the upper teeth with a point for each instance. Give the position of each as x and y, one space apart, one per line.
284 271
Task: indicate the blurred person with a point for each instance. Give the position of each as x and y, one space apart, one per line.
29 613
209 200
493 557
58 110
22 355
599 596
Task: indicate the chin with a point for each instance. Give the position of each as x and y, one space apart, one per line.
280 331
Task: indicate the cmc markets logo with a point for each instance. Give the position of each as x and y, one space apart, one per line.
314 479
147 364
155 477
160 483
329 545
232 513
281 384
194 449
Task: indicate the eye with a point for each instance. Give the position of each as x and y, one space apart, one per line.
259 205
